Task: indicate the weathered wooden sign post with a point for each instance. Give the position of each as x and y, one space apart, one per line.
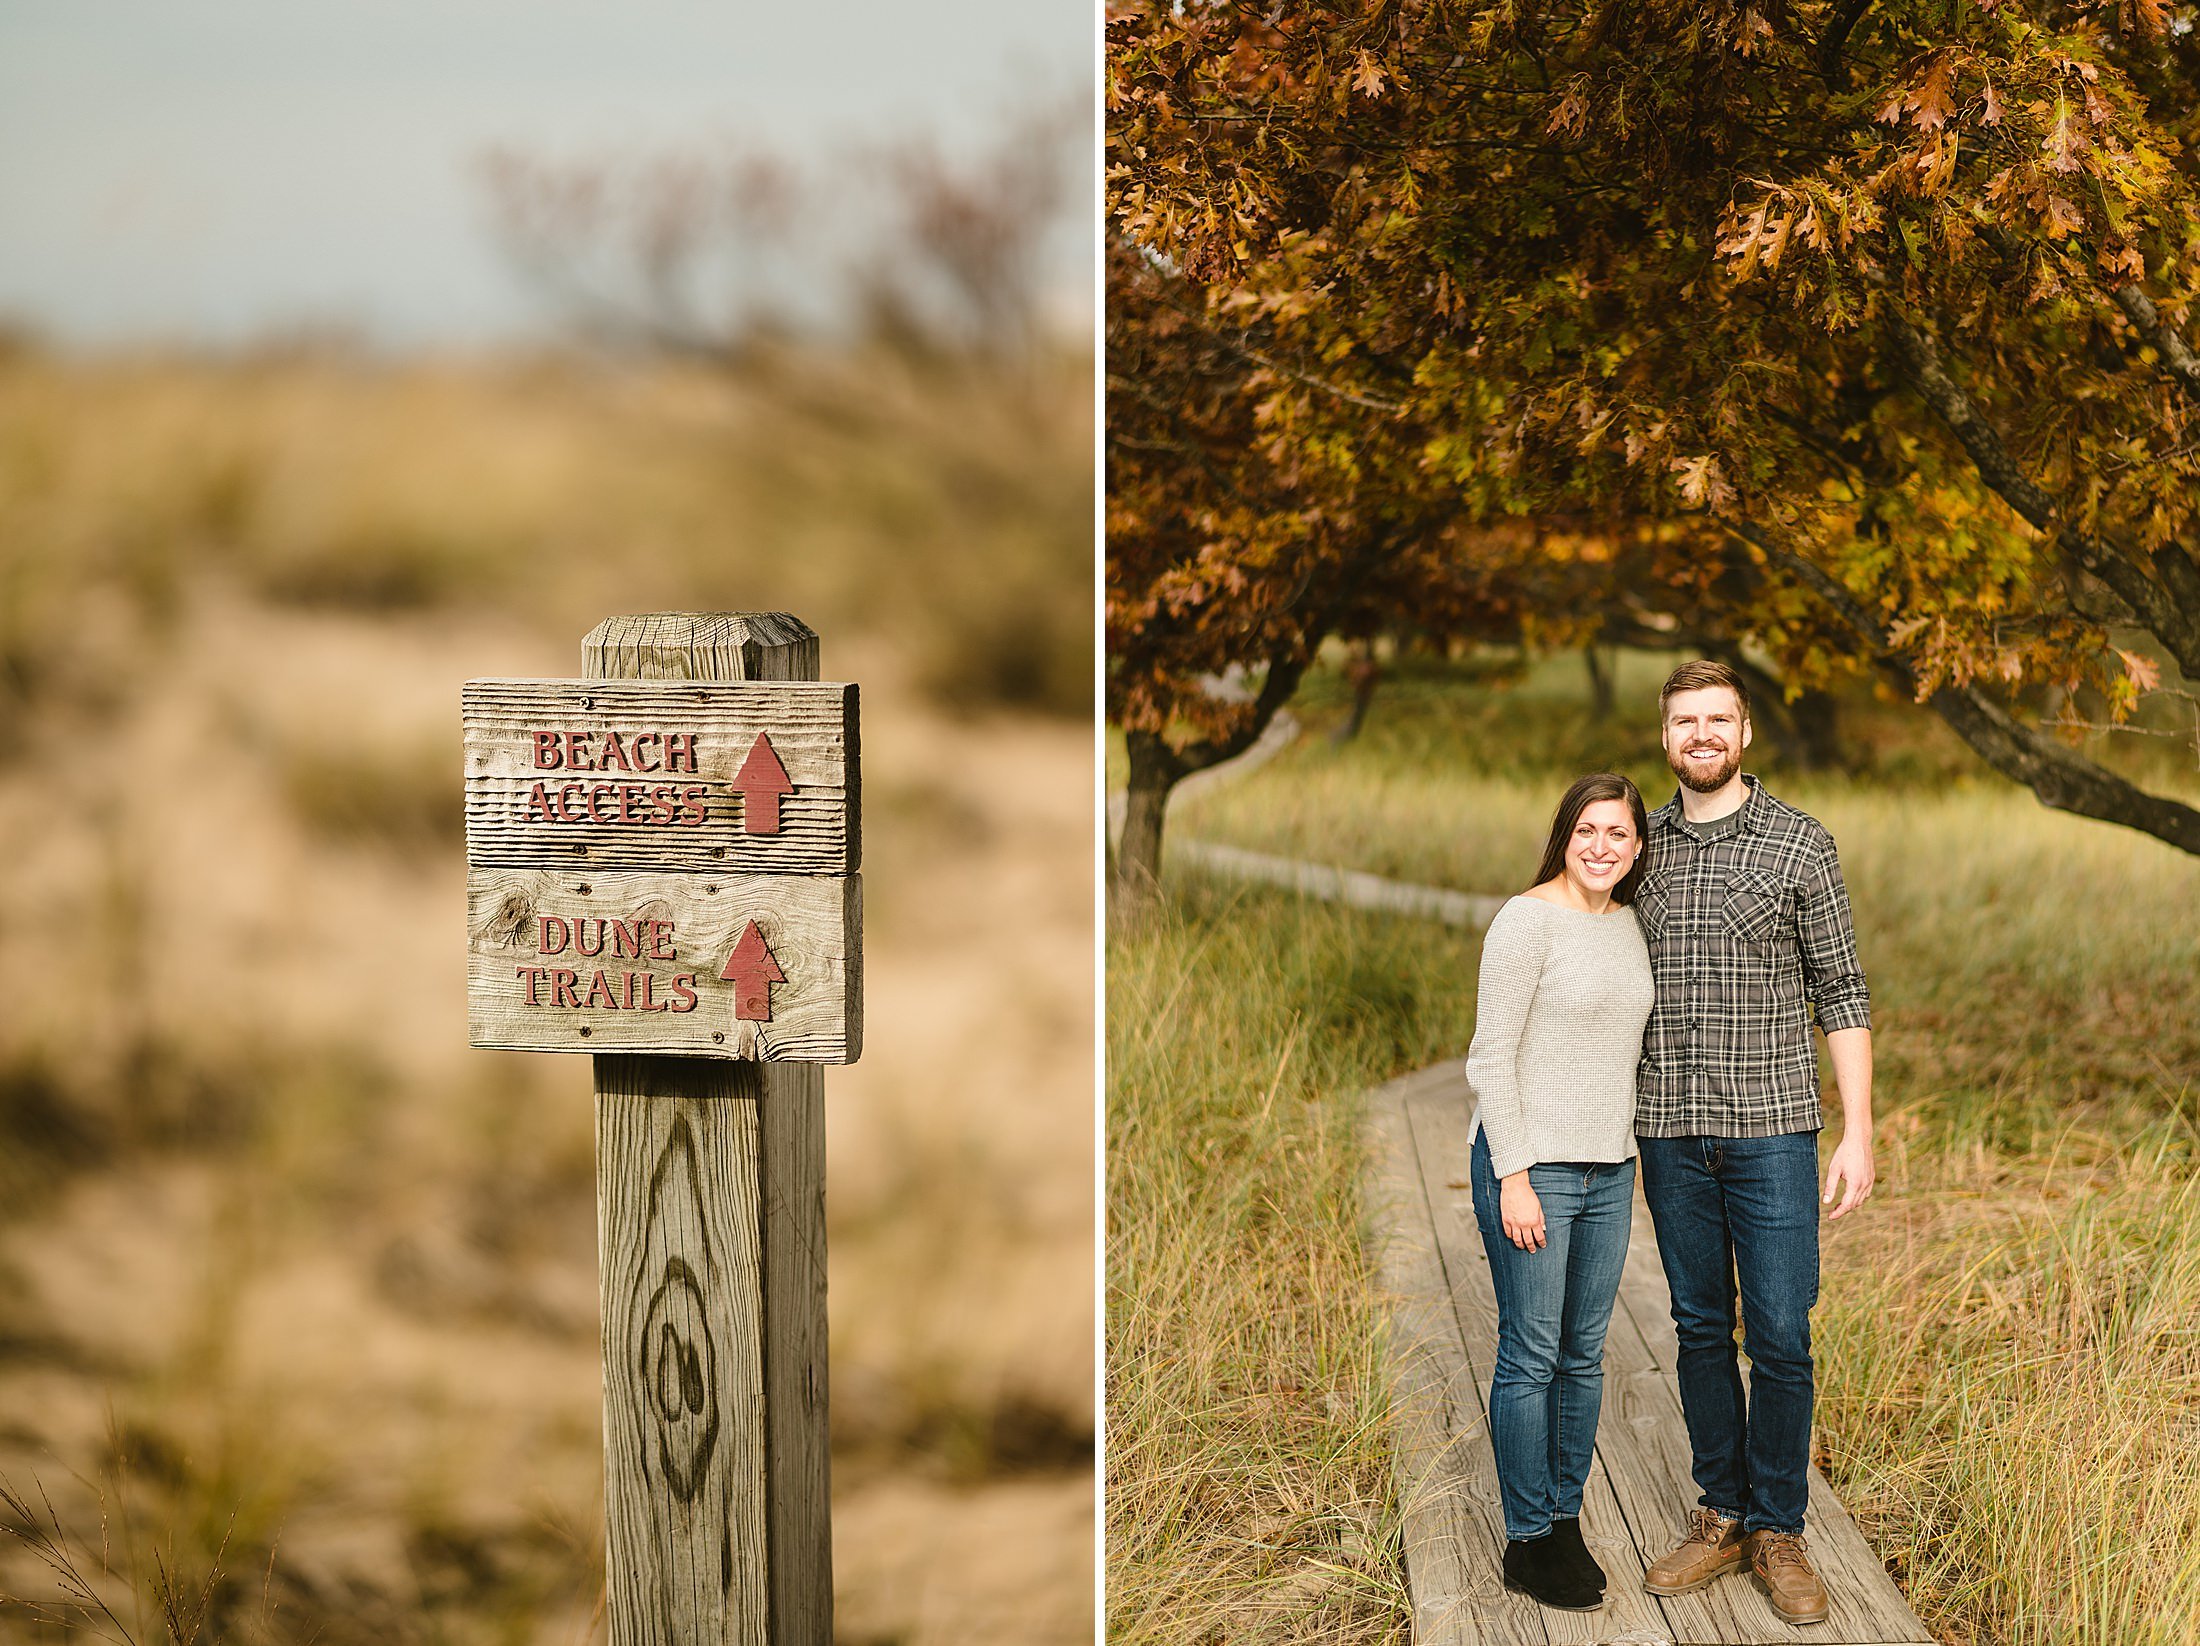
661 869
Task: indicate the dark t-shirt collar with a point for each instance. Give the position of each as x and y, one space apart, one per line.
1739 821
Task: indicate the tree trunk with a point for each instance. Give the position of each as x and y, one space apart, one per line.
1814 727
1602 700
1157 767
1365 674
1135 885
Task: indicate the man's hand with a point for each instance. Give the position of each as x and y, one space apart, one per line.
1851 1165
1851 1050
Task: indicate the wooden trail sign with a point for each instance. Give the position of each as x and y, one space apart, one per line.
662 869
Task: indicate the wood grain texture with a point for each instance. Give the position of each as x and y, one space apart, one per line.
760 1128
681 1264
813 731
793 1188
701 646
1639 1491
813 925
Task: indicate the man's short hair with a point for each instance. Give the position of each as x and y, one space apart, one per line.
1694 677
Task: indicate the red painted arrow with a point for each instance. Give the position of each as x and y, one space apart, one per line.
761 780
752 971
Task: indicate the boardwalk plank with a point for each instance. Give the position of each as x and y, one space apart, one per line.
1431 1256
1445 1475
1439 1122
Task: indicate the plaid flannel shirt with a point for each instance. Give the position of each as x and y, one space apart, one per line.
1749 933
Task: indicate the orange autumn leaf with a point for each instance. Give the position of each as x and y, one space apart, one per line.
1932 105
2143 672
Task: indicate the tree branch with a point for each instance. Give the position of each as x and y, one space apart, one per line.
2062 779
1288 662
2178 360
2178 363
2163 607
1845 17
2172 562
1196 315
1822 441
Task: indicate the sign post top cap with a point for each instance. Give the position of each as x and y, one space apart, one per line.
702 646
703 629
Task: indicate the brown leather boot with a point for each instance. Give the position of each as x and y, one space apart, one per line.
1713 1545
1783 1567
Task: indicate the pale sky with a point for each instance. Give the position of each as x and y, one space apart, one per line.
207 171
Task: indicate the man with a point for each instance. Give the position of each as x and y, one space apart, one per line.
1748 926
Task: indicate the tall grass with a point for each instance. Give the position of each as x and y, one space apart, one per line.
1247 1487
2009 1342
2010 1382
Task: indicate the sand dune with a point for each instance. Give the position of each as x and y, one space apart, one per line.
282 1260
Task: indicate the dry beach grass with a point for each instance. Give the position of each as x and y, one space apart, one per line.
2009 1383
292 1283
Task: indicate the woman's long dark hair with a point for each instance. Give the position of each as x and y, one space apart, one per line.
1585 793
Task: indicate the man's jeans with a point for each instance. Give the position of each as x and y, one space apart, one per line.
1746 1207
1552 1308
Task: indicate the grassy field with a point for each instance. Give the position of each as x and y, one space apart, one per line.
1246 1490
297 1292
2009 1364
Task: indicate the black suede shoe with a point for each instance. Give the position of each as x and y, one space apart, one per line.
1566 1532
1540 1569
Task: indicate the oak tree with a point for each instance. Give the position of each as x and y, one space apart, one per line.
1877 312
1252 513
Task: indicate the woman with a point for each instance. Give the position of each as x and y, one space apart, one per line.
1565 991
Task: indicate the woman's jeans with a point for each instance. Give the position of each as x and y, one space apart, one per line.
1742 1210
1552 1308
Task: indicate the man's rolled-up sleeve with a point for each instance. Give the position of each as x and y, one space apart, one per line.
1832 974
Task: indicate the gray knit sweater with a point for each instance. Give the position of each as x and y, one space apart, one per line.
1557 1034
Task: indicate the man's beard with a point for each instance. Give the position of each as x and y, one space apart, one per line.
1704 780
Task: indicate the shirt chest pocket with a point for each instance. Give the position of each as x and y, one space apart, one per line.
1755 907
1651 898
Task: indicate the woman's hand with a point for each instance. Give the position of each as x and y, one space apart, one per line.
1520 1212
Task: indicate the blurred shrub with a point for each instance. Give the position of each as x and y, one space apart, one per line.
152 1090
375 566
405 799
945 511
930 1417
976 490
43 1127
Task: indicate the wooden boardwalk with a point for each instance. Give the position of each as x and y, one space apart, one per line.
1444 1334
